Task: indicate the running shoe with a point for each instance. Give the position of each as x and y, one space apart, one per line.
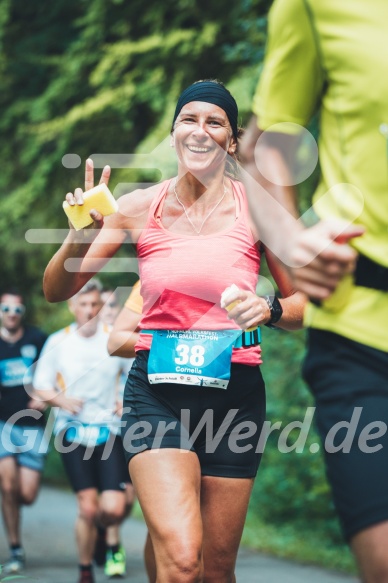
16 562
100 548
115 563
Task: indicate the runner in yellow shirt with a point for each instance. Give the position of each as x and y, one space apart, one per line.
331 57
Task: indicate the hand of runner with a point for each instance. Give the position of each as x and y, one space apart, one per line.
37 404
76 198
72 405
250 310
324 257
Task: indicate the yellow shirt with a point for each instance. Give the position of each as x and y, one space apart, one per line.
332 55
135 301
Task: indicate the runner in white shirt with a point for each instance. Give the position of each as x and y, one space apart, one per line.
76 374
82 368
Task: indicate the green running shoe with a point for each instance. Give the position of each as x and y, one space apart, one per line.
115 563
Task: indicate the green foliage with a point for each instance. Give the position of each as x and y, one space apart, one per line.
306 543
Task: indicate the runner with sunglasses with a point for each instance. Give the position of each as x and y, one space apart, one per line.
21 421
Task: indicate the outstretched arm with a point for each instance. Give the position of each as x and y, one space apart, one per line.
84 252
318 257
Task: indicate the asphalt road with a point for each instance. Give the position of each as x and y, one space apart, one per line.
48 528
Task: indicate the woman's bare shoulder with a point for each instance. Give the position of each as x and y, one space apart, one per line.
135 205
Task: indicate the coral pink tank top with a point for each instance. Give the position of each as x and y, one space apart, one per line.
183 276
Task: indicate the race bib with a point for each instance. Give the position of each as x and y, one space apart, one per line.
191 357
15 371
88 435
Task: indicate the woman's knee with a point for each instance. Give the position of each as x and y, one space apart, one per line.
220 563
180 558
220 567
185 567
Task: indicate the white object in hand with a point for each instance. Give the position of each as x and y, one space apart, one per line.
225 302
231 290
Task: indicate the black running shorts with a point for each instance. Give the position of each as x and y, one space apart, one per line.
350 385
222 426
92 468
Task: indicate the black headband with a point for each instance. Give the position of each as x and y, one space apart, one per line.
210 92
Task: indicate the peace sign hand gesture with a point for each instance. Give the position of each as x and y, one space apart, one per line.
77 198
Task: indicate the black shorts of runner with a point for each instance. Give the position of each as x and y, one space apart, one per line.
350 385
102 467
222 426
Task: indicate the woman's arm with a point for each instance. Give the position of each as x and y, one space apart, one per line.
86 251
81 256
124 335
252 310
292 302
67 271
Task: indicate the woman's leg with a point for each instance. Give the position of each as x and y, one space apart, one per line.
149 559
224 503
167 483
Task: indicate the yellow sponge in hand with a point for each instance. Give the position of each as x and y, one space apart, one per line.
99 198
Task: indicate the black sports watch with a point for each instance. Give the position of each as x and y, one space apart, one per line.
275 309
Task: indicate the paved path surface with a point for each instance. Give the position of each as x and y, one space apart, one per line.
49 542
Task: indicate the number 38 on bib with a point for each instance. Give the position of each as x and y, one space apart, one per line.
192 357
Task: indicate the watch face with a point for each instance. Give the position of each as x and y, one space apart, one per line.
277 310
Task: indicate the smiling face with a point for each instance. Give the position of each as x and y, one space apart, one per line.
202 137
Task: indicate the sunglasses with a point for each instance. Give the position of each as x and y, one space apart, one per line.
18 310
